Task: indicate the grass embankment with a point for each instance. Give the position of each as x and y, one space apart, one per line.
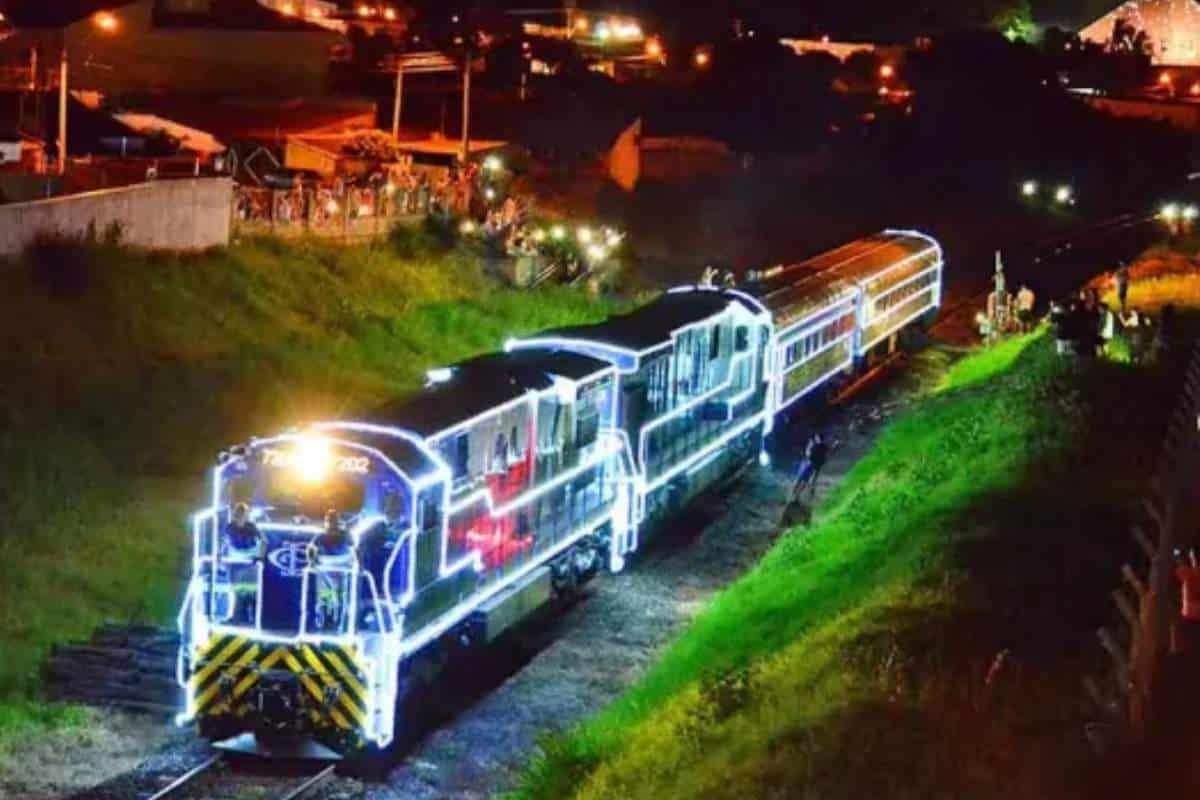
926 635
125 373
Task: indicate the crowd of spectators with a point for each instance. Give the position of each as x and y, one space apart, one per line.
399 190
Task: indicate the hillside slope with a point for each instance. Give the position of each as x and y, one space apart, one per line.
925 636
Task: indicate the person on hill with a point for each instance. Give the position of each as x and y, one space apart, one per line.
1107 326
1060 321
1025 304
1187 571
1121 281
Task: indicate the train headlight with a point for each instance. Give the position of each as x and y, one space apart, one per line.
312 459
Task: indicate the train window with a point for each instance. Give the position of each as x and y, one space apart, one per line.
741 339
714 346
587 429
514 445
288 494
429 544
460 455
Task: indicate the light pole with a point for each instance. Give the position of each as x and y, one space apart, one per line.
62 111
465 155
399 100
105 22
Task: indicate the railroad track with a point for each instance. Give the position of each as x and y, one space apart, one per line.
209 780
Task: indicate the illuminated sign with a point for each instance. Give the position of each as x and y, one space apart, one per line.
282 459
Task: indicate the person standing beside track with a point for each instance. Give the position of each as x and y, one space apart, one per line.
816 453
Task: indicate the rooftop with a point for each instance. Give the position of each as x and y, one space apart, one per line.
483 383
223 14
654 323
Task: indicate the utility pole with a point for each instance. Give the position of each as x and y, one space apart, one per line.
399 100
466 108
62 113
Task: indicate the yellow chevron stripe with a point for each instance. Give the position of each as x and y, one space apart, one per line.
245 683
207 695
328 662
201 676
358 714
347 675
273 659
213 642
313 688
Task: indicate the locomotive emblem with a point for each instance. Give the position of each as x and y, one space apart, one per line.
290 559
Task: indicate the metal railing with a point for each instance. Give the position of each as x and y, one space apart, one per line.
1147 601
350 213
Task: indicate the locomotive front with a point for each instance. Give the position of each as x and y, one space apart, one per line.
297 566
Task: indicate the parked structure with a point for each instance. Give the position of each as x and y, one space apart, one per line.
1172 26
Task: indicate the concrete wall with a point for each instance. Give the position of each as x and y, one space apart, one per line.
190 214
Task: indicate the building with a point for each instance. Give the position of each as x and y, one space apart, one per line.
612 44
179 46
1172 26
318 12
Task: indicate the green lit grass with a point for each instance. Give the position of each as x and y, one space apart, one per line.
125 373
852 661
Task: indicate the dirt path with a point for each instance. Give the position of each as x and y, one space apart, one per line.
595 650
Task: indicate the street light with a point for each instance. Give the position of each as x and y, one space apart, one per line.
887 71
1190 212
1063 194
1169 212
702 59
492 164
558 232
105 22
1029 188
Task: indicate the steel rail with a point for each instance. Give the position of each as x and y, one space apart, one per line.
185 779
311 783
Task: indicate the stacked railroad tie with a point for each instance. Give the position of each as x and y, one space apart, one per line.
124 666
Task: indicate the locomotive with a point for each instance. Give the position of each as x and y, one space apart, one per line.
338 566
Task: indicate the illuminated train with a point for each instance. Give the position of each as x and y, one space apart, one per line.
512 477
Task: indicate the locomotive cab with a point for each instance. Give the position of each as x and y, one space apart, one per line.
299 566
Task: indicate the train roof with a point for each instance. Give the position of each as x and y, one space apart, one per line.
793 291
653 323
480 384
